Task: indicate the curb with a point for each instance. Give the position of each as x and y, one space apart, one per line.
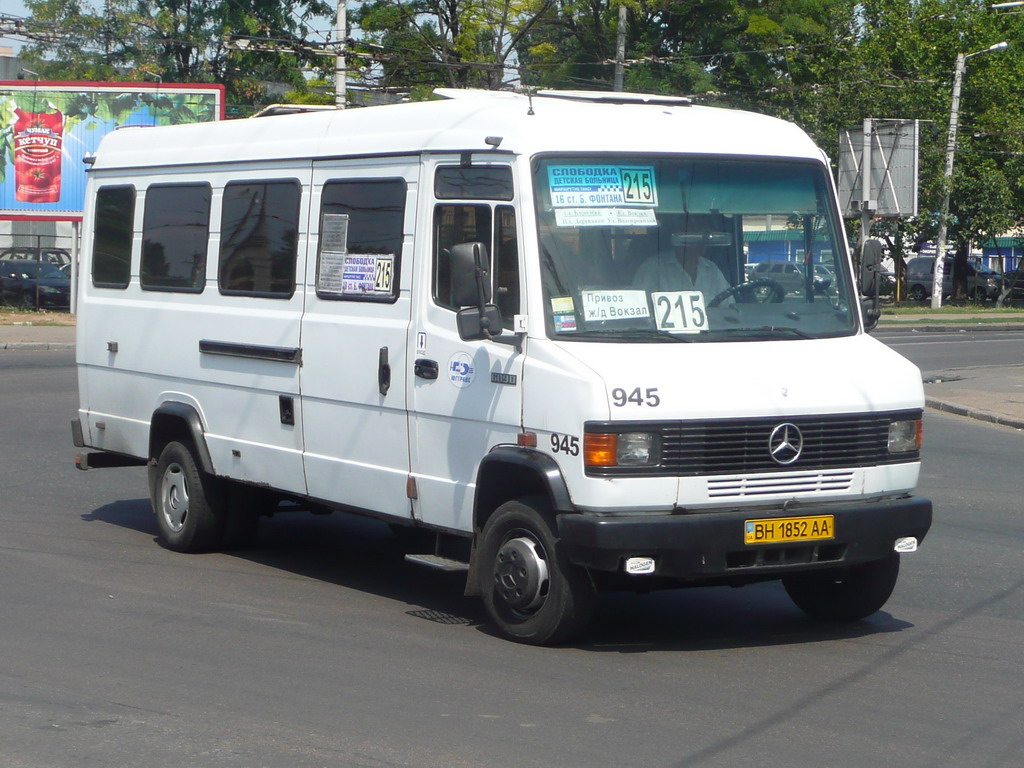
973 413
36 345
949 327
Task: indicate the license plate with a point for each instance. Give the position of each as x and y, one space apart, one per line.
779 530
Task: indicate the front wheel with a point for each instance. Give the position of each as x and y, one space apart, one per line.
531 592
845 594
188 503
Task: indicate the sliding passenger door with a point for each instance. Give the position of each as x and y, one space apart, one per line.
355 334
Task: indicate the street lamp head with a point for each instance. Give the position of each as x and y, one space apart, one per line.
991 49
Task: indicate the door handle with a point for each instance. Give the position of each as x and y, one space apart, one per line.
426 369
383 371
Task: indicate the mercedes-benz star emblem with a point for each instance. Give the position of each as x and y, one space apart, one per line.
785 444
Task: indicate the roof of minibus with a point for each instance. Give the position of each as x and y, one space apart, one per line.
466 121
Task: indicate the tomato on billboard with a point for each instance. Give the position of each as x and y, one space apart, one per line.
47 129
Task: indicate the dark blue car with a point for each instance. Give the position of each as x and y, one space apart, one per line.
34 285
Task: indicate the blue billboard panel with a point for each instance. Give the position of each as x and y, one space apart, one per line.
47 130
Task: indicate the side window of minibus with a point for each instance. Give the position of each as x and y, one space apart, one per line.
506 264
259 237
361 235
454 224
462 223
175 234
114 217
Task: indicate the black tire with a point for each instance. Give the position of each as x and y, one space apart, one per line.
917 293
845 594
532 594
188 503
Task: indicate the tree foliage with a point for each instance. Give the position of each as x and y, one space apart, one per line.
172 41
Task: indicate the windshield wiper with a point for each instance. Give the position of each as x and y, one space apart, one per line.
632 334
767 332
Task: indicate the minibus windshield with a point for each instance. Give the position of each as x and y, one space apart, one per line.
656 248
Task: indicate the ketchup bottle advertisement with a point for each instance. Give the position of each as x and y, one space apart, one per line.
38 151
51 131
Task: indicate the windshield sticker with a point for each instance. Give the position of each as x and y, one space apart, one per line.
367 274
680 311
614 305
586 186
333 249
563 313
605 217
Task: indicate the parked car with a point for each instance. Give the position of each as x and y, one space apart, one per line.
34 285
791 276
1015 282
981 286
56 256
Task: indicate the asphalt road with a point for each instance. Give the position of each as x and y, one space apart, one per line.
323 648
961 347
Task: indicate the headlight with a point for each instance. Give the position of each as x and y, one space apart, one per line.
905 436
622 449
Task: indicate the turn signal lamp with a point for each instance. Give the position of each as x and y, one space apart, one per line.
599 449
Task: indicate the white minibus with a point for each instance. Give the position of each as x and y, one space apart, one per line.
518 325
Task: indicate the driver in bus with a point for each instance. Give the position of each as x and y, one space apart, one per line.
686 267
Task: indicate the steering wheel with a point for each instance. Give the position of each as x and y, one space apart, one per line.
764 290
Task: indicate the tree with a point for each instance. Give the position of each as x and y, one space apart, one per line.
458 43
172 40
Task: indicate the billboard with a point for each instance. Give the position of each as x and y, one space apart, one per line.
890 163
47 129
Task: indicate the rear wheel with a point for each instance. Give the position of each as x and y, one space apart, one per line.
531 592
845 594
188 503
917 293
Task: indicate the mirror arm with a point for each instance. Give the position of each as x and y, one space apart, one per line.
512 340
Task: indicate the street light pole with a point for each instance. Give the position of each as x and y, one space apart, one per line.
947 176
340 90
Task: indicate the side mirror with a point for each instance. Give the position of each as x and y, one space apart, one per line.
872 314
476 323
471 290
470 273
870 262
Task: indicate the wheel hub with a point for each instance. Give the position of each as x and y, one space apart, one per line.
521 574
175 497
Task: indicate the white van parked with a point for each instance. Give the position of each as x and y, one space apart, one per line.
518 323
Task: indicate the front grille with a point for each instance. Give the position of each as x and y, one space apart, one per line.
740 446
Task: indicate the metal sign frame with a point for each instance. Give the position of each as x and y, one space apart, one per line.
878 168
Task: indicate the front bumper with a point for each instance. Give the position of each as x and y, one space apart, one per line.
709 546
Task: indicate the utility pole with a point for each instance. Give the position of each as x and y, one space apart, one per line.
867 206
947 176
620 50
339 61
